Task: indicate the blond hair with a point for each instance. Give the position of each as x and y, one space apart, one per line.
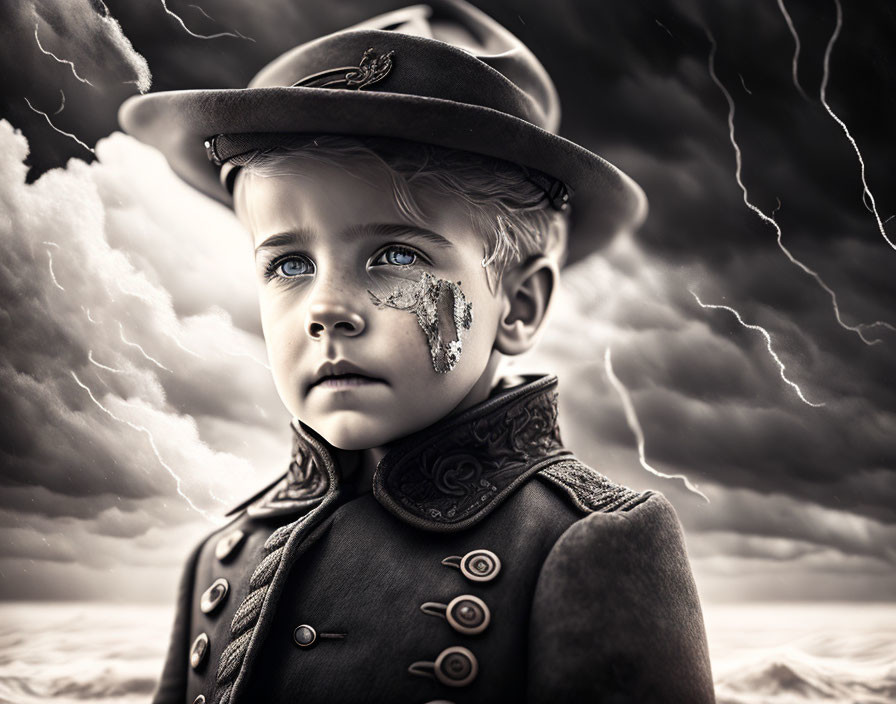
510 212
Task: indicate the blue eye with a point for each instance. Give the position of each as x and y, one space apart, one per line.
290 267
398 256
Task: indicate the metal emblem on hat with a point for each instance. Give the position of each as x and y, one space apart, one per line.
372 69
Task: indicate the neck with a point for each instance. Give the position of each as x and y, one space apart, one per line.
358 466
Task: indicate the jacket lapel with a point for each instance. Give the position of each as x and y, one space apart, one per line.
450 478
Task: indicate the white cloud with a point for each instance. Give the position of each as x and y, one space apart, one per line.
102 442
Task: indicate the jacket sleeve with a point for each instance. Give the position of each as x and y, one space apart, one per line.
172 687
616 616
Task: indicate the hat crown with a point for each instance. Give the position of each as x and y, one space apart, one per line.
446 49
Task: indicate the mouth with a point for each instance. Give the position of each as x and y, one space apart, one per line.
345 381
341 374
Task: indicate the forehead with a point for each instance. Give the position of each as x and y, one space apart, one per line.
338 201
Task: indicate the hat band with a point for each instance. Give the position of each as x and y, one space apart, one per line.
373 68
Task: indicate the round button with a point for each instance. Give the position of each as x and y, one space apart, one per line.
226 545
213 596
480 565
468 614
304 635
198 650
456 667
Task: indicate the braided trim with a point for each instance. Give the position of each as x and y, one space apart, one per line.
242 627
265 571
244 616
224 698
232 657
247 615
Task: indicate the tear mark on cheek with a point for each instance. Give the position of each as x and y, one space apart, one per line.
442 311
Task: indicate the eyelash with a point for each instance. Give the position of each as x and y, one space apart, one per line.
271 268
270 271
403 249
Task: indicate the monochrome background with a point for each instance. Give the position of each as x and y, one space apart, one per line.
137 406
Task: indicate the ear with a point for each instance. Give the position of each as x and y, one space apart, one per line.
527 291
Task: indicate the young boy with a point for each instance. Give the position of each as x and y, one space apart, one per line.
432 539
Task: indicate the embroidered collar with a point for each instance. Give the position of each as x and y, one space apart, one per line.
445 477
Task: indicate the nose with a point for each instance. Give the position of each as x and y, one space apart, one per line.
333 318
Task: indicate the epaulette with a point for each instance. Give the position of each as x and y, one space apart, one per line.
590 490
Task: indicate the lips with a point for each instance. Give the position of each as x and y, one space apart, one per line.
341 374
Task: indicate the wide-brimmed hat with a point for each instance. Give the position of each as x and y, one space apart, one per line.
444 73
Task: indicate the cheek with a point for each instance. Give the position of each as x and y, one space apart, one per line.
442 312
283 329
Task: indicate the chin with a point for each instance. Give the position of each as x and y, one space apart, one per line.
355 432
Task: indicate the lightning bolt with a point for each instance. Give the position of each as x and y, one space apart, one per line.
665 28
241 36
177 340
744 84
768 345
196 7
216 497
152 443
635 425
246 354
151 303
142 351
62 61
857 329
135 294
866 192
102 366
796 51
89 316
52 275
182 346
235 35
61 107
50 122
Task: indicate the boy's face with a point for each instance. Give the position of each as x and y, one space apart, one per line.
319 257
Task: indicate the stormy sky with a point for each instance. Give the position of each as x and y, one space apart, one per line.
136 402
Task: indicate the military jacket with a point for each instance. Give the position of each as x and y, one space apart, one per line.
487 564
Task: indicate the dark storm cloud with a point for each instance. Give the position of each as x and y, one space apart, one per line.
712 400
796 491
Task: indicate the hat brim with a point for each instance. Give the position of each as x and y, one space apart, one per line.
604 202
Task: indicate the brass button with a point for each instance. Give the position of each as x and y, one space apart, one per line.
304 635
456 667
228 544
213 596
198 650
468 614
479 565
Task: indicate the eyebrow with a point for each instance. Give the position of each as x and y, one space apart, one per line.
377 230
